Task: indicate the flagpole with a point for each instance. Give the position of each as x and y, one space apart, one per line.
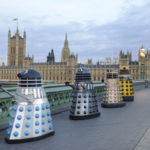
17 22
16 19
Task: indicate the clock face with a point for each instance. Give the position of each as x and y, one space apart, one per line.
142 52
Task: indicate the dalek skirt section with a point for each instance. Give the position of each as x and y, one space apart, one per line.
112 92
84 103
126 84
31 115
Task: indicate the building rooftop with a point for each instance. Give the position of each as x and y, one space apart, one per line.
99 66
14 37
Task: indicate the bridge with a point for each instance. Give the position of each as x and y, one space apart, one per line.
126 128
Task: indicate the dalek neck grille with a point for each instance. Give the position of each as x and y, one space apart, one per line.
82 74
29 78
124 72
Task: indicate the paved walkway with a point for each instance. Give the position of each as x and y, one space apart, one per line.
144 143
116 129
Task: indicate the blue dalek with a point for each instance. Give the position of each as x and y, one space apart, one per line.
30 116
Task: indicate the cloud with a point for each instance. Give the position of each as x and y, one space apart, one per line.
63 11
95 29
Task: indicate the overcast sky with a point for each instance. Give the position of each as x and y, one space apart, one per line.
96 28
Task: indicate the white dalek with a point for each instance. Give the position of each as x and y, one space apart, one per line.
30 115
112 92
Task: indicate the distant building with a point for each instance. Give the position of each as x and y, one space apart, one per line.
64 70
16 49
51 57
108 60
140 69
59 72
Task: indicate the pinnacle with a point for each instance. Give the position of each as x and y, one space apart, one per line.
66 36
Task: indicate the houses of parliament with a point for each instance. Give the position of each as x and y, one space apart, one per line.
64 71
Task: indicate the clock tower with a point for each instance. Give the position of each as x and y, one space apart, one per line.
142 63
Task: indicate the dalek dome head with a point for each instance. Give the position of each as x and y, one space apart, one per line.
124 70
29 78
82 74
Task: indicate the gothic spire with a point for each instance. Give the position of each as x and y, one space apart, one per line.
65 51
17 31
66 41
24 34
66 36
9 33
52 53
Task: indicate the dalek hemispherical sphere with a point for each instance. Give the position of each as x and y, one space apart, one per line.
29 78
29 118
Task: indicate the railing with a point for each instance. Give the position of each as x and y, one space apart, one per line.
59 96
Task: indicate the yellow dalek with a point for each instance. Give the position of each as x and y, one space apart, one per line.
126 84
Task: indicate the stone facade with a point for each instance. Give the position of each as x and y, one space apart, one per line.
51 57
16 49
58 72
140 69
64 70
